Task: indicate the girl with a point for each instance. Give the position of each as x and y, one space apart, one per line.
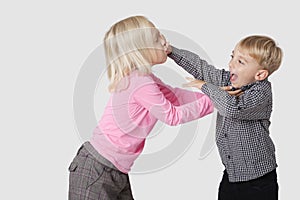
138 99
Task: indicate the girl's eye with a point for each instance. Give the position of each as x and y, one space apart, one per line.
241 62
231 56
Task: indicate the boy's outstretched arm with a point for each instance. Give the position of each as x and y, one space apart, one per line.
199 83
198 67
252 104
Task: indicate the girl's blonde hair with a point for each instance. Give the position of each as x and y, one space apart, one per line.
264 50
126 44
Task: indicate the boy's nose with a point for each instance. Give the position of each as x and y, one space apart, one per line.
230 64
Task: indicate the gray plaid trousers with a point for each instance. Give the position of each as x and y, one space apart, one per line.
92 179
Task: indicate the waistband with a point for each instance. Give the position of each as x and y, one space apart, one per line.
91 150
272 175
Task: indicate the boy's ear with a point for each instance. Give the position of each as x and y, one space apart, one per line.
261 74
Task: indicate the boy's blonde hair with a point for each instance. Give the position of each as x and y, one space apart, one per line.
126 46
264 50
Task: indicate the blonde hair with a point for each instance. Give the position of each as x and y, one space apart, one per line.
126 46
264 50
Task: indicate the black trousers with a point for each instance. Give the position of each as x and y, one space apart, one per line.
262 188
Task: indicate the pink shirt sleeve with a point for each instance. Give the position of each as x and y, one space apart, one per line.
177 96
151 96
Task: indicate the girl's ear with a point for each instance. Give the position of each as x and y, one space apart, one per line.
261 74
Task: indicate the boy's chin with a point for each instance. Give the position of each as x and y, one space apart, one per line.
235 86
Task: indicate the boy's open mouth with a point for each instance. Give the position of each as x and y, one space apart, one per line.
233 77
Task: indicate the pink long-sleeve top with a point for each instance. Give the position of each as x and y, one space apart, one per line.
131 114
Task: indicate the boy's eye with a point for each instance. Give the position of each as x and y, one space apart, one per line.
241 62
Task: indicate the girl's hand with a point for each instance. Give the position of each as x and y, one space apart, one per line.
232 93
194 83
199 83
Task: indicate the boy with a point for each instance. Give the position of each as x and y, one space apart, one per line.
242 132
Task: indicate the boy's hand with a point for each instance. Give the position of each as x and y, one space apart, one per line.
167 46
194 83
232 93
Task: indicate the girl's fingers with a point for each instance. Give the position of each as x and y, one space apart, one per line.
189 79
227 88
187 84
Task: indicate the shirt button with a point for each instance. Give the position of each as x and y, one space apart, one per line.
225 135
239 108
228 156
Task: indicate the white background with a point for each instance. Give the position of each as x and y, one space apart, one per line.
43 45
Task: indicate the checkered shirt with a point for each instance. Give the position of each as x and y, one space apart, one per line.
242 132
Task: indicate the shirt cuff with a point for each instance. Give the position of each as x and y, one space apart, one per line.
175 54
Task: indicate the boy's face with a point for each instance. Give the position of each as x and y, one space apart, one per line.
243 68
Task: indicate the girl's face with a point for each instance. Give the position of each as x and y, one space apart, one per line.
159 52
244 69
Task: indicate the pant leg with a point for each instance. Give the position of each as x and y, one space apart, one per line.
262 188
92 180
126 193
227 190
112 184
